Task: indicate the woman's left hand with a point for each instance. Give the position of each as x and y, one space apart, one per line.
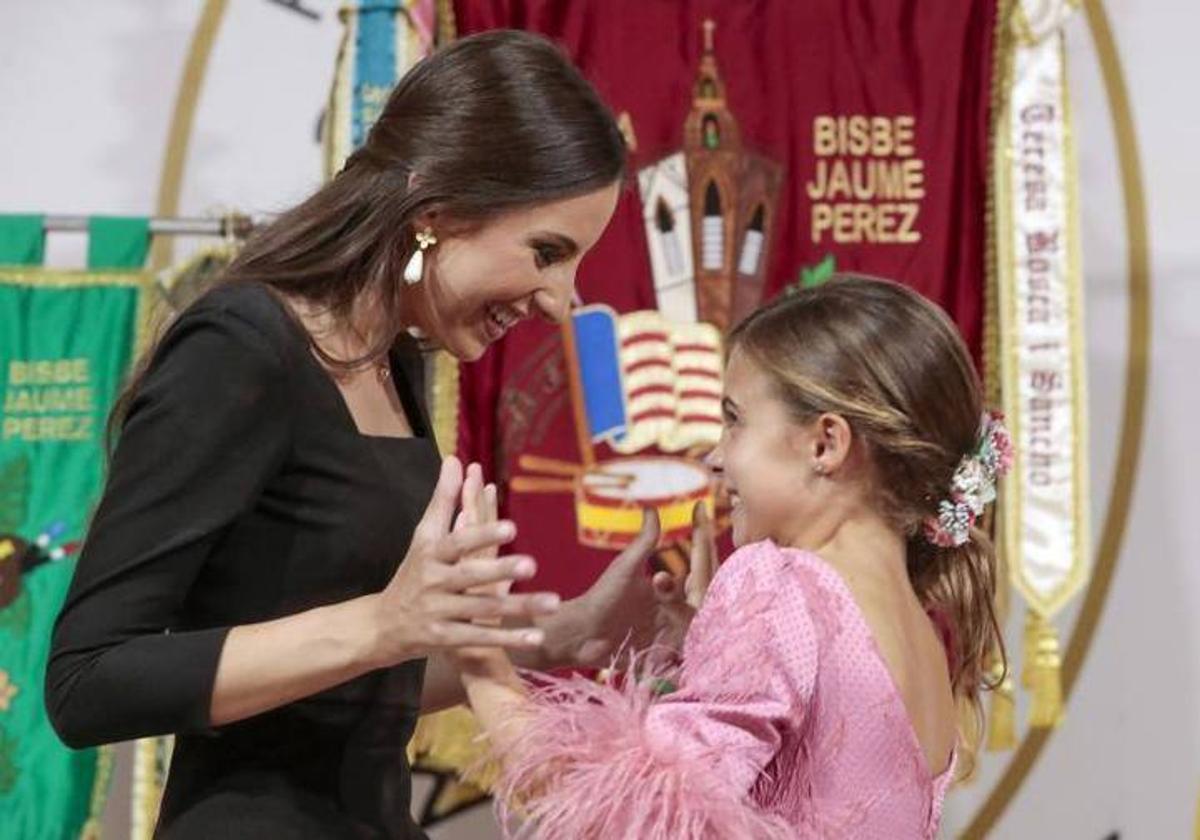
626 606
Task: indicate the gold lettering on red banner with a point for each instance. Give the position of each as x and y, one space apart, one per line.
868 182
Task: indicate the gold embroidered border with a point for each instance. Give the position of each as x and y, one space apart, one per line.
1079 420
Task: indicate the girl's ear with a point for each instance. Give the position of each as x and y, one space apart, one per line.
830 444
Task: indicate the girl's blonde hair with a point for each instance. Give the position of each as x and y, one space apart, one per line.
894 366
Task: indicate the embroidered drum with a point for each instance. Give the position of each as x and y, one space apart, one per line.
610 498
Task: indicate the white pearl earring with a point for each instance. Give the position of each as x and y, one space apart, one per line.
415 270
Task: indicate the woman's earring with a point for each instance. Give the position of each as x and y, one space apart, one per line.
819 468
415 270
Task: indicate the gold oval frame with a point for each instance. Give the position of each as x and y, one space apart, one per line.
1136 364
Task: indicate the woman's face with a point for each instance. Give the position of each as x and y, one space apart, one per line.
481 282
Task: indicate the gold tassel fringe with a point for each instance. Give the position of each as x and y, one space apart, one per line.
1045 673
1002 722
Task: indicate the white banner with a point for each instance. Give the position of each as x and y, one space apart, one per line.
1044 519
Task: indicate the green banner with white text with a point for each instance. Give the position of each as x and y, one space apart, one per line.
67 341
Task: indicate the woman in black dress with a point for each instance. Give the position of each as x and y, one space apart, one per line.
241 585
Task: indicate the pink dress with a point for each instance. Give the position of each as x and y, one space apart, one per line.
785 723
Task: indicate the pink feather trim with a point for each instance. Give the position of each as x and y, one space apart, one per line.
586 765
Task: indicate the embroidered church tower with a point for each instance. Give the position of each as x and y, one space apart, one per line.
712 145
732 199
709 211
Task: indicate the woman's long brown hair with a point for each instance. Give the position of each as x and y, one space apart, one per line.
491 123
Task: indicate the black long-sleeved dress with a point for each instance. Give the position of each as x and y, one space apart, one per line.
241 491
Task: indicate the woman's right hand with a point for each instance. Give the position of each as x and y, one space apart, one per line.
428 605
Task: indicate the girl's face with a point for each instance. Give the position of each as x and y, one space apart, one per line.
481 282
766 458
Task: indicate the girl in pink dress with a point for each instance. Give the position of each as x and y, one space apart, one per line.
821 678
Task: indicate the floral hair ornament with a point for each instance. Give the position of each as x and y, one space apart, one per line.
973 486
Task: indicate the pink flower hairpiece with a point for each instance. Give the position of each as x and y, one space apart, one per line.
973 486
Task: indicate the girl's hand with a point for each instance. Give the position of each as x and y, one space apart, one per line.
452 586
480 506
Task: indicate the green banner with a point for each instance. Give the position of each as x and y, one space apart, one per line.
117 242
22 239
66 343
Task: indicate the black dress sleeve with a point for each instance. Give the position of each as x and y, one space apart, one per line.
208 428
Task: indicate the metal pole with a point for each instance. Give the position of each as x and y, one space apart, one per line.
227 226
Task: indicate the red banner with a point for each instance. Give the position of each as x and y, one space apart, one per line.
773 142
